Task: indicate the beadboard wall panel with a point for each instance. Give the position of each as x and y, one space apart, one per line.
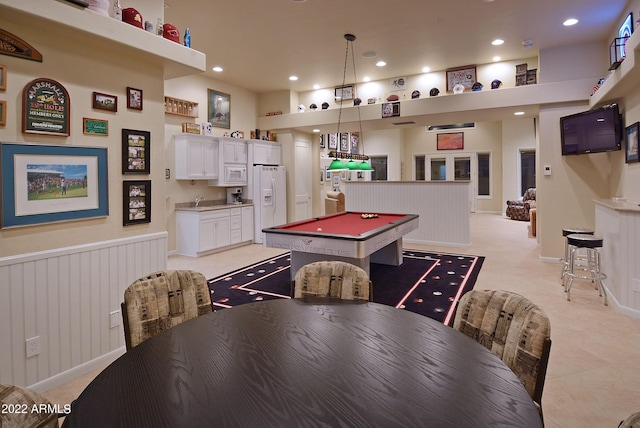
65 297
443 207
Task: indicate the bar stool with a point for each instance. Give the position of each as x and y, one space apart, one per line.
591 270
570 231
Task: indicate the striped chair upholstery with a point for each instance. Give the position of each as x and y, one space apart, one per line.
162 300
25 399
632 421
332 279
512 328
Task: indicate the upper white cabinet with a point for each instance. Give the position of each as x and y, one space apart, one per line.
196 157
233 151
264 153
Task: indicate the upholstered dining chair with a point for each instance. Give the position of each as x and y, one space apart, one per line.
514 329
15 397
332 279
632 421
162 300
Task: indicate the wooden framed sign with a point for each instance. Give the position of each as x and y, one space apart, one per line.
46 108
95 126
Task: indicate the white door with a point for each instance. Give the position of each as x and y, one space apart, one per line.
302 182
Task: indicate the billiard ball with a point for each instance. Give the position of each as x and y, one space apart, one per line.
319 229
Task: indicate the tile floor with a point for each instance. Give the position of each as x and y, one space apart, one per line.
593 378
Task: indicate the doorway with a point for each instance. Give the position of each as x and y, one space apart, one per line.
527 170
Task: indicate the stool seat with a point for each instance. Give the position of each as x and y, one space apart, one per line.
573 230
584 241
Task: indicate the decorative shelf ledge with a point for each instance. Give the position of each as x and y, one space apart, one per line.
176 60
180 107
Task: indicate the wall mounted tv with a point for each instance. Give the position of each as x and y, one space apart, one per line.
592 131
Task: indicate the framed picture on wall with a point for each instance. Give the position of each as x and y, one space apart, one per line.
105 102
134 98
136 202
450 141
465 76
219 112
631 143
333 141
3 77
50 184
136 152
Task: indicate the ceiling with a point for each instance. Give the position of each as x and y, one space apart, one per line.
261 43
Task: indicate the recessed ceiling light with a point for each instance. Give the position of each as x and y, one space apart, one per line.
496 58
293 78
569 22
369 54
217 69
381 63
497 42
366 79
316 130
316 86
518 113
426 69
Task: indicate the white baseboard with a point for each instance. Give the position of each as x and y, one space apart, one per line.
77 371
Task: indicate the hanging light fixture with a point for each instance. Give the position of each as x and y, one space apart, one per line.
352 165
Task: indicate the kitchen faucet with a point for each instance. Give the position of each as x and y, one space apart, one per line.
199 199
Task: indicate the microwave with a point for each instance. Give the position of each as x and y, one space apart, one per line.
235 174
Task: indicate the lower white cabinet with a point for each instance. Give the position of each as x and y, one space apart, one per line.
247 224
204 232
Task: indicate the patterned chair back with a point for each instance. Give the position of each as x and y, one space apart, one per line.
332 279
15 397
512 328
162 300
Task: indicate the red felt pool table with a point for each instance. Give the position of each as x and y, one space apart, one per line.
343 236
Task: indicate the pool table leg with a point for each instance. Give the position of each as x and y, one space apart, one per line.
389 255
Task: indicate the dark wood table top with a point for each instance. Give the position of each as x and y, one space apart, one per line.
298 363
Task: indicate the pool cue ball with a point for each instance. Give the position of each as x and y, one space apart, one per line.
319 229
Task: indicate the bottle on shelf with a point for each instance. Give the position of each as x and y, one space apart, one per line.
117 10
187 38
159 28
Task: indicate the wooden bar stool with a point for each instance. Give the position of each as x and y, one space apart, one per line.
592 270
570 231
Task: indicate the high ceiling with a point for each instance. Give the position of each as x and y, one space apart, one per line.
260 43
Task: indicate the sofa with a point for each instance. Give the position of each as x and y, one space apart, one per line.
520 209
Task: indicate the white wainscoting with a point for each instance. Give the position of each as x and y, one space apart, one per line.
618 222
65 297
443 207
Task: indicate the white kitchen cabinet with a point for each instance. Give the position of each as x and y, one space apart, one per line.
201 232
247 223
197 157
265 153
235 225
233 151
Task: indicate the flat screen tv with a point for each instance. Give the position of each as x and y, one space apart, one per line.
592 131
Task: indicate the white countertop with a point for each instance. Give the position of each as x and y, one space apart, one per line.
619 204
211 207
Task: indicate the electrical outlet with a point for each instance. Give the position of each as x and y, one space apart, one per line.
33 346
636 285
114 319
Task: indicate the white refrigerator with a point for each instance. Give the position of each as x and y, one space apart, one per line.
269 198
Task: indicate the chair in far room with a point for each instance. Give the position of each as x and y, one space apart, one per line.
519 209
162 300
512 328
332 279
14 399
334 202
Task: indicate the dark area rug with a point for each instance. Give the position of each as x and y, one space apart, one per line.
427 283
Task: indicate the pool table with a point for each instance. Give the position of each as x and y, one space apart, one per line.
345 236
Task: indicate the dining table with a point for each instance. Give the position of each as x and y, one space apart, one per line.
307 363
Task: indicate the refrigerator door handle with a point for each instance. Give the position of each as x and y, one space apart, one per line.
275 194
